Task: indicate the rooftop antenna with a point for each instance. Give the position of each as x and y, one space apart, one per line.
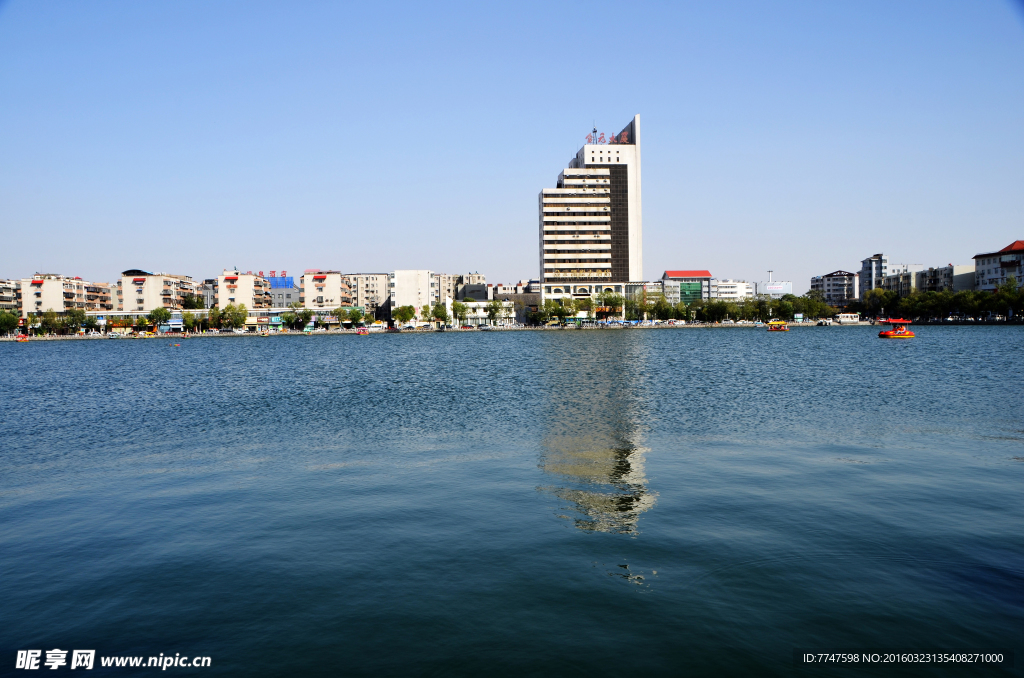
769 276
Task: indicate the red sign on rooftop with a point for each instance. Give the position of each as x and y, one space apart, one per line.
623 138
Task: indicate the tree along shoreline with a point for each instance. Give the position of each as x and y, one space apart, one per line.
527 328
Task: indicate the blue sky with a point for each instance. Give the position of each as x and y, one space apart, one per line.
794 136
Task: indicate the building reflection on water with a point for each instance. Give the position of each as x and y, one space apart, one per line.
592 444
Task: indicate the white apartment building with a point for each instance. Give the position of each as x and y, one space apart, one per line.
324 289
369 290
235 287
141 291
49 291
954 278
9 295
993 268
734 290
416 288
838 288
591 224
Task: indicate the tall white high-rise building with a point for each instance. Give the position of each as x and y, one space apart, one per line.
591 224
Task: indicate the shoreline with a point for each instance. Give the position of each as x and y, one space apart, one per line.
703 326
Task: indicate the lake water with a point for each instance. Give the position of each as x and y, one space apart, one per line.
578 503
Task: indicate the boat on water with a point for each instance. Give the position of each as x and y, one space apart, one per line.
363 330
22 338
899 329
778 326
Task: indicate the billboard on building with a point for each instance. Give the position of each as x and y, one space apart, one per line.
775 288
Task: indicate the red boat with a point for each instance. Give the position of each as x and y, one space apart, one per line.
899 329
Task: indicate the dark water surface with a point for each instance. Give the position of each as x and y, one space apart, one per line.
604 503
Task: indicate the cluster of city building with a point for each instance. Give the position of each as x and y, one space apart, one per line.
377 295
987 273
591 243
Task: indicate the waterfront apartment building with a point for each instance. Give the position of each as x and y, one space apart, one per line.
10 295
235 287
993 268
140 291
324 289
952 278
837 288
591 223
416 288
369 290
50 291
734 290
694 285
872 270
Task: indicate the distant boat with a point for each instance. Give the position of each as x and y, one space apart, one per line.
362 330
778 326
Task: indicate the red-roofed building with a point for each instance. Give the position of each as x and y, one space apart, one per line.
682 275
693 284
991 269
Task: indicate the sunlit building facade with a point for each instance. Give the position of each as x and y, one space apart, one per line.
235 287
51 292
140 291
591 223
